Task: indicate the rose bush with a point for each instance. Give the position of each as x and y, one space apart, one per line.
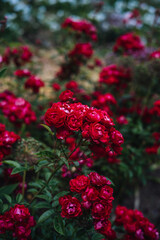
56 149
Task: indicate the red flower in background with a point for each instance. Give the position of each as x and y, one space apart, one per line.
81 26
113 74
81 50
17 110
7 139
34 83
155 55
128 43
22 73
135 224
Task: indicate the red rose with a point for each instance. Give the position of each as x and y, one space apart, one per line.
74 121
82 49
55 117
91 194
101 210
93 115
22 73
98 180
65 96
116 137
79 184
56 86
106 120
98 133
71 207
85 131
63 133
72 85
106 193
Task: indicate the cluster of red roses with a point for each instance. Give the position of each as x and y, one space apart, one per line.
97 196
154 149
7 139
95 125
19 56
33 82
81 26
113 74
76 57
17 220
81 51
137 227
128 43
103 101
17 110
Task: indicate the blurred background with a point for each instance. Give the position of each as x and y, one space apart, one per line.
39 21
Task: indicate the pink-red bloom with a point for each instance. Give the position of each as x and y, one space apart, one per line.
128 43
81 26
34 83
17 220
7 139
71 206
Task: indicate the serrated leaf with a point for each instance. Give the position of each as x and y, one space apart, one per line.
59 225
12 163
47 214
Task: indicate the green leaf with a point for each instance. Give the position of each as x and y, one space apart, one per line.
44 197
19 198
48 129
59 225
97 236
8 189
2 72
12 163
18 170
35 184
5 207
55 204
45 216
9 199
42 205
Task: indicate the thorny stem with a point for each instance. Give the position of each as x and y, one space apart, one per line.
24 180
